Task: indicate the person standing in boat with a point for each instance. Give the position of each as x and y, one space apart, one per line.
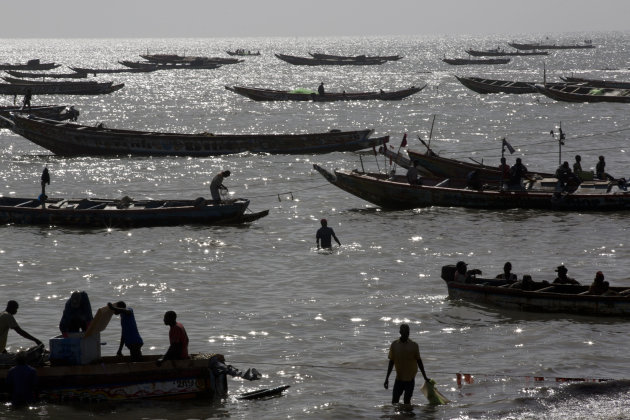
505 172
412 174
517 173
321 89
562 276
217 185
129 335
7 322
177 337
577 165
45 179
404 354
325 234
26 102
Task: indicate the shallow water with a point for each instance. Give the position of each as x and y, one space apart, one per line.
322 323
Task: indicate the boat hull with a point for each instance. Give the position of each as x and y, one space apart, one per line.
575 93
76 140
59 88
258 94
396 195
485 86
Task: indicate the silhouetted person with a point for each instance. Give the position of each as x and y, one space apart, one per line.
325 235
217 185
177 337
129 335
7 322
320 89
22 382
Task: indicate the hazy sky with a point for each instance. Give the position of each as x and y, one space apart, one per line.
242 18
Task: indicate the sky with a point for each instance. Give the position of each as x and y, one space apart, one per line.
301 18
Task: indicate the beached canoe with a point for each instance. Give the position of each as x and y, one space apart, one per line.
397 193
80 140
259 94
543 298
125 212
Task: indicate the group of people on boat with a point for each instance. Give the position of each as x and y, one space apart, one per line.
75 321
598 287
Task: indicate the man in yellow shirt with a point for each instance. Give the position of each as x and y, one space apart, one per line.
7 321
404 353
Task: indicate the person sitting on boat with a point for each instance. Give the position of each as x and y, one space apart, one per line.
526 283
597 287
7 322
22 382
473 180
77 314
517 173
320 89
217 184
412 174
462 274
325 234
507 273
177 337
129 335
565 176
562 276
600 170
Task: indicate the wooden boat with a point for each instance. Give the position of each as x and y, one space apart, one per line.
30 65
484 86
100 213
397 194
258 94
544 298
242 53
19 81
356 57
499 52
83 71
51 112
79 140
178 59
306 61
27 75
482 61
47 88
596 82
540 46
580 93
171 66
119 379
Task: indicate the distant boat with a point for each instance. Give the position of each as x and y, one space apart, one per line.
243 53
85 71
498 52
596 82
305 61
540 46
28 75
355 57
65 88
178 59
34 64
580 93
80 140
170 66
467 61
51 112
100 213
258 94
483 86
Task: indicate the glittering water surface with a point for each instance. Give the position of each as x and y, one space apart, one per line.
322 323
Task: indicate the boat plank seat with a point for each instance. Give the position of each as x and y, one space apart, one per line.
29 203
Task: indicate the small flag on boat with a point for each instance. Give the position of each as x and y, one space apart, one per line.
403 143
508 145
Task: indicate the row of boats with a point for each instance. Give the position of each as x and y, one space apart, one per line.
571 89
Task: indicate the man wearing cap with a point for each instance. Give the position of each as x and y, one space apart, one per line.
563 278
325 234
7 321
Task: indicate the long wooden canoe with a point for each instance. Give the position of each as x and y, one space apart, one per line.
540 46
596 82
484 86
544 298
243 53
28 75
179 59
124 213
119 379
51 112
356 57
258 94
170 66
482 61
30 65
85 71
19 81
306 61
579 93
396 193
498 52
80 140
67 88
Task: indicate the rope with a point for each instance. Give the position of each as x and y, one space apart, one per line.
288 192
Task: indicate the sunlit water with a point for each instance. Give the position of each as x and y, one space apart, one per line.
322 323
